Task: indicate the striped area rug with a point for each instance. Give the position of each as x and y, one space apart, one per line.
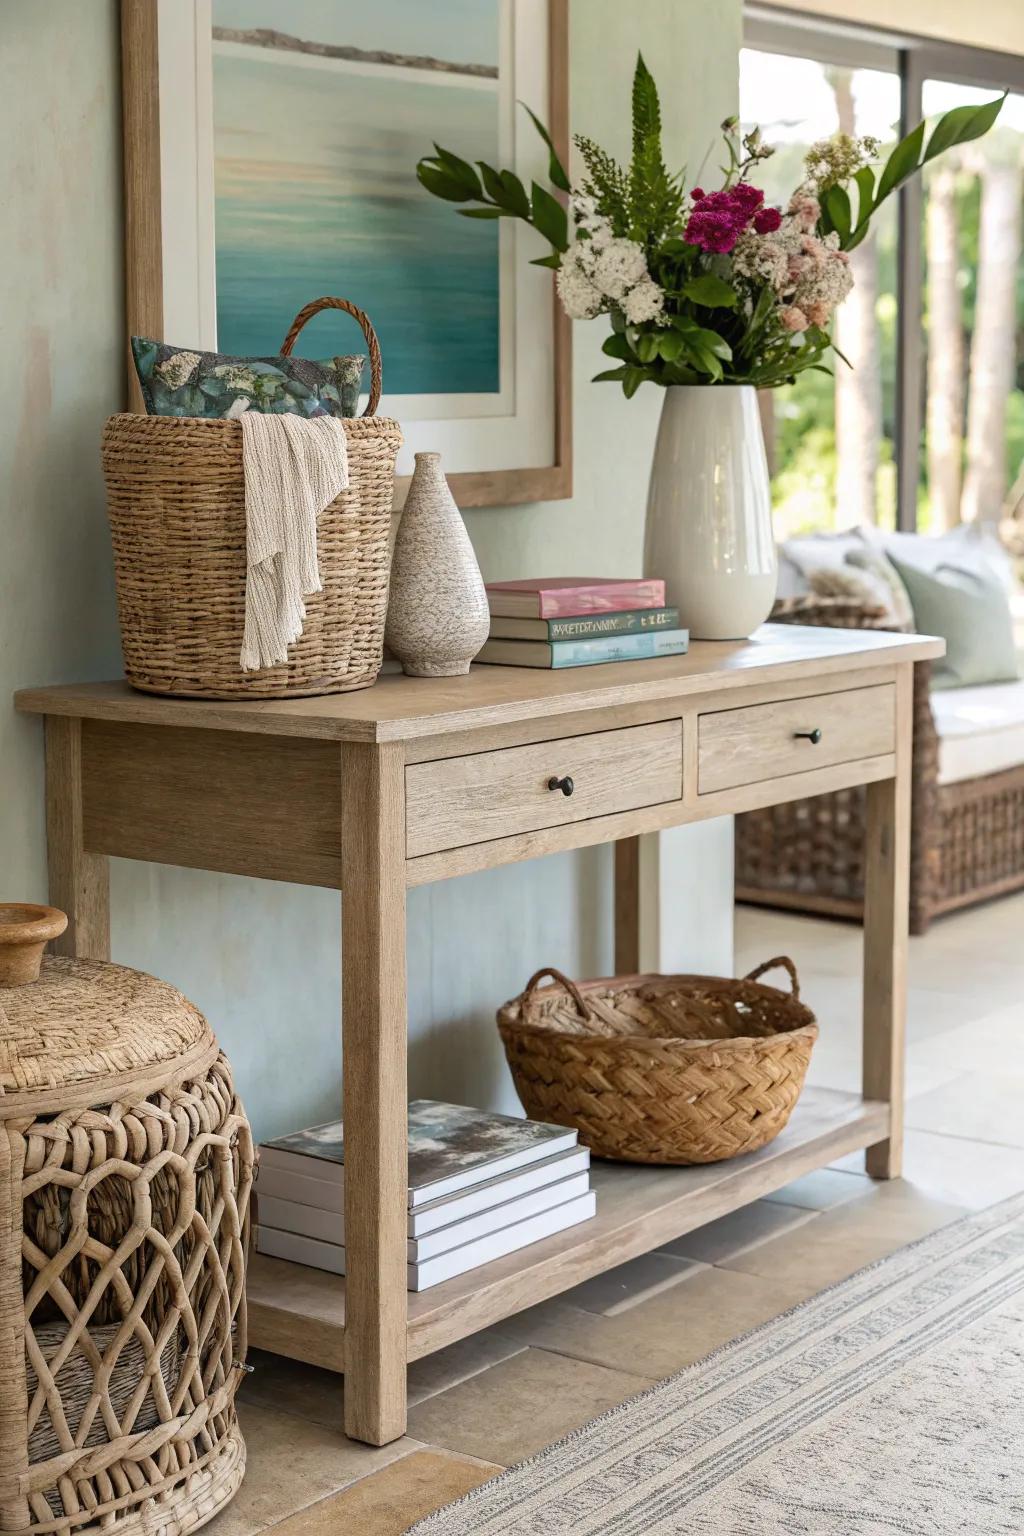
890 1405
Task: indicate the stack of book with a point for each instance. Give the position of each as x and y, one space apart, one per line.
579 621
480 1186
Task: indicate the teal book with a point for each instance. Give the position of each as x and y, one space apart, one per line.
586 653
585 626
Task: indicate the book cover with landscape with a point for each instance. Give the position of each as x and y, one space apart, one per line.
451 1146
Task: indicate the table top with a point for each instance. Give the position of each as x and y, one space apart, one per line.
399 708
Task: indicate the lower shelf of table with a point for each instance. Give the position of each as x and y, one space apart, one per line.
300 1312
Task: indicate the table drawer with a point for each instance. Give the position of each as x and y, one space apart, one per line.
460 800
769 741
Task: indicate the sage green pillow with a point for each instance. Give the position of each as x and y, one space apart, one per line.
970 611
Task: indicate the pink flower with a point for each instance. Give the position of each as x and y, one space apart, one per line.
719 218
767 220
805 209
818 312
793 319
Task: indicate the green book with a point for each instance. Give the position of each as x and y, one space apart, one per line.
586 626
585 653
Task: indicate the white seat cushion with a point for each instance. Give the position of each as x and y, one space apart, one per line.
981 730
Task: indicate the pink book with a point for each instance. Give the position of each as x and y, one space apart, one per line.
559 597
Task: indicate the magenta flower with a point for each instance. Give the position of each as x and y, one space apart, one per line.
767 220
719 218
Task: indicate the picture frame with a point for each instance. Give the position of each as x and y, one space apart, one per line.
503 447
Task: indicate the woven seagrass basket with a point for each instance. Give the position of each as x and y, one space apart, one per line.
176 503
661 1069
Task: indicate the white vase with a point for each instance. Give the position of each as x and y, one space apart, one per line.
438 616
709 526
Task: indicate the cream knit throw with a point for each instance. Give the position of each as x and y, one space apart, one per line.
294 468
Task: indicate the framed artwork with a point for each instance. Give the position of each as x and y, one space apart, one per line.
270 158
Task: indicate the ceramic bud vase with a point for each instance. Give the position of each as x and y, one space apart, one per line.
709 526
438 616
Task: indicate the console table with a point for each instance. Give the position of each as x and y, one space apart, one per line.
416 780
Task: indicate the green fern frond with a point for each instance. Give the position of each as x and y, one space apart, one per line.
606 182
655 198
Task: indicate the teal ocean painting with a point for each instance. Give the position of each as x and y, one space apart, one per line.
321 110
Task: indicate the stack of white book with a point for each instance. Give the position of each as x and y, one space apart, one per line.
480 1186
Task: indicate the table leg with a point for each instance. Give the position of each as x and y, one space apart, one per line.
79 881
886 897
374 1023
627 906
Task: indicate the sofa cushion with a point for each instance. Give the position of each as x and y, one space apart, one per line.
843 564
969 546
981 730
971 612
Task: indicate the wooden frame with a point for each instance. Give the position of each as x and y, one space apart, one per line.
125 777
144 275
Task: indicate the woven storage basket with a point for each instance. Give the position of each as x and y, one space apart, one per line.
661 1069
176 502
126 1168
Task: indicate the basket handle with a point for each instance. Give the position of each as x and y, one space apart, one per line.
570 986
785 964
372 344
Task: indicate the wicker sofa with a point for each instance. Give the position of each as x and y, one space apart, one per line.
967 836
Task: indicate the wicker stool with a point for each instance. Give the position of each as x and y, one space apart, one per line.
125 1170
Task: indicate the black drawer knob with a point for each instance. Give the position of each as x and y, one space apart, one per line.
566 785
812 736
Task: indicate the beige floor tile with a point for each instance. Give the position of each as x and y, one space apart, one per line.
967 1173
387 1502
843 1240
977 1106
821 1190
521 1405
990 1044
733 1234
619 1289
291 1463
290 1386
662 1335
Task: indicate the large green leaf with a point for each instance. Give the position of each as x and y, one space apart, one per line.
710 291
493 183
865 179
460 169
903 162
441 183
616 345
486 213
646 109
634 377
556 170
609 373
961 125
549 217
515 194
835 204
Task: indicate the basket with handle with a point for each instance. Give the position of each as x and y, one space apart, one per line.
661 1069
176 503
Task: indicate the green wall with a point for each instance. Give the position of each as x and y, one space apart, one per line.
263 960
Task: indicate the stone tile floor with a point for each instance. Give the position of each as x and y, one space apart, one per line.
491 1400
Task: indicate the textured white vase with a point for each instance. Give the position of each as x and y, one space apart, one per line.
709 525
438 616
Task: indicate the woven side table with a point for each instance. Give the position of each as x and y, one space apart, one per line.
125 1171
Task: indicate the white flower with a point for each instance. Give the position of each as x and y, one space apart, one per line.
621 265
580 299
644 302
586 217
177 369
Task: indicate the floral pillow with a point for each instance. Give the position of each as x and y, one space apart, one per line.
176 381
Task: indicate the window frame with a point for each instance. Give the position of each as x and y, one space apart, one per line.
914 59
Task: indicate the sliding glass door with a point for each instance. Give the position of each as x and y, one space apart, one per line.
927 428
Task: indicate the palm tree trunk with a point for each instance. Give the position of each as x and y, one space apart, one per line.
945 350
993 344
858 388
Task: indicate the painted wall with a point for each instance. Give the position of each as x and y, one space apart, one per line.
997 24
263 960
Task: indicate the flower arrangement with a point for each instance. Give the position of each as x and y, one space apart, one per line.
702 287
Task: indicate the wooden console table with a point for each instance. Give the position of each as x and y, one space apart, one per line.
417 780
